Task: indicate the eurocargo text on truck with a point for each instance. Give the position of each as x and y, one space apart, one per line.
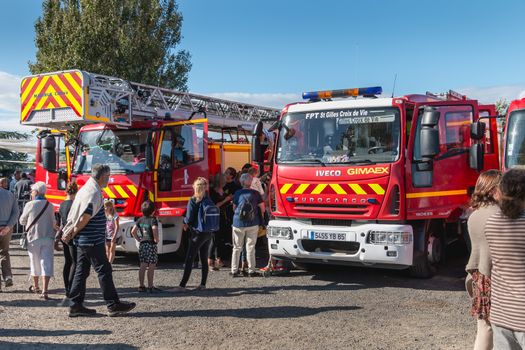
365 180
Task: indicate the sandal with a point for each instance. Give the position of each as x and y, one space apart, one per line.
44 296
32 289
141 289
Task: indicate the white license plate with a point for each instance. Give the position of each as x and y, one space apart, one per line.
327 236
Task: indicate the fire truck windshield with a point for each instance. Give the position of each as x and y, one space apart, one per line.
515 147
122 150
340 136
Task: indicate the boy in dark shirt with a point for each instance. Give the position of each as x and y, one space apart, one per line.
148 238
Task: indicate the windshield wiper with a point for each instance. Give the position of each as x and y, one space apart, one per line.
304 160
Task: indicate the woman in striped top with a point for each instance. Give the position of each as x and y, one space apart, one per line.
505 232
484 204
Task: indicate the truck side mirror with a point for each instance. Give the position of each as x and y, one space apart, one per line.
149 153
429 140
49 155
476 157
257 149
477 130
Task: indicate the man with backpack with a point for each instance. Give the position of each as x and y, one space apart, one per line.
249 209
202 221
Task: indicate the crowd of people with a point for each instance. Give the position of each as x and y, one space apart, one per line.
86 229
496 268
235 203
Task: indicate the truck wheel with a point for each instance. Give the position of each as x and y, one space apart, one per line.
430 252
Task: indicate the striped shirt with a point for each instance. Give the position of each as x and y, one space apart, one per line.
506 239
94 233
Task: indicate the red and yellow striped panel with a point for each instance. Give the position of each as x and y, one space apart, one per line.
120 191
331 188
44 92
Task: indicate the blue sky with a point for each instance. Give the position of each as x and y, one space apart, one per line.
268 52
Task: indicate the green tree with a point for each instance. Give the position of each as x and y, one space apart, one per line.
501 106
131 39
9 158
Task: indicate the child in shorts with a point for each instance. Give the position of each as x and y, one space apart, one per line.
147 233
112 226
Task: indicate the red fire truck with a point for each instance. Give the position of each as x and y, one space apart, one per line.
382 182
156 141
514 144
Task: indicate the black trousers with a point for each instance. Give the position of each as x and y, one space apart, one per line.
199 243
70 263
93 256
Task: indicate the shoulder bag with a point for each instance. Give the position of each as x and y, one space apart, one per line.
23 239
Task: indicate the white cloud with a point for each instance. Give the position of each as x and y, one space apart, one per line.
9 92
275 100
494 93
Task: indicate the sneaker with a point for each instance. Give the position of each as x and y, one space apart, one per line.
8 282
121 308
244 273
80 310
66 302
201 287
236 274
253 274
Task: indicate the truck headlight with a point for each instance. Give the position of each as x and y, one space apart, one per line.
280 232
389 237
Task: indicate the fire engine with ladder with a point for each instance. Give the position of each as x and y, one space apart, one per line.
360 179
156 141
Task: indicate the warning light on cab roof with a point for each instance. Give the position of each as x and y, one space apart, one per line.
323 95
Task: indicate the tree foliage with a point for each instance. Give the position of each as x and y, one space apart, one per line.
501 106
131 39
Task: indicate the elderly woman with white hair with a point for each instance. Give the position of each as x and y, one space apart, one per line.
38 218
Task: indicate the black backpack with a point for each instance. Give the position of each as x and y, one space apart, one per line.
246 210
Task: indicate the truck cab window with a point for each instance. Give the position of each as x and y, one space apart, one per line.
166 161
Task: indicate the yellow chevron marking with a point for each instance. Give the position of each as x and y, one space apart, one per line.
319 188
121 191
377 189
338 189
357 189
37 91
285 188
132 189
301 189
109 192
28 88
151 198
73 100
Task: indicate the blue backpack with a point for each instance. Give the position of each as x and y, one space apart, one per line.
208 217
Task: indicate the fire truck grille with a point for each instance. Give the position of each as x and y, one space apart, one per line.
330 246
331 222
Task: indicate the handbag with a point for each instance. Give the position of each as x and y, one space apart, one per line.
23 238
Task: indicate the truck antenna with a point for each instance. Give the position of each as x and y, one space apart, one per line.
394 87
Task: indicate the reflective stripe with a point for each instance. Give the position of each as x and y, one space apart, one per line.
301 189
121 191
319 188
132 189
109 193
437 194
285 188
338 189
357 189
377 189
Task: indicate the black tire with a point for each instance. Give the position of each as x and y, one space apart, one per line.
421 268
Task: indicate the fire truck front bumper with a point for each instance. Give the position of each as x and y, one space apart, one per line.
368 244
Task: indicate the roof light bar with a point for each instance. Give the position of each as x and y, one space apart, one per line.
323 95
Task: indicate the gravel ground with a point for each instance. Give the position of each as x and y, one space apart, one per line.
336 308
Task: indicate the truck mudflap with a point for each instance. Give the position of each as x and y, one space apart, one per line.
375 245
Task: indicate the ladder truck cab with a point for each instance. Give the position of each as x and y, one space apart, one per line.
514 144
360 179
156 142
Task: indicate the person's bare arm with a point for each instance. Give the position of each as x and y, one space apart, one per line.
84 219
134 233
263 208
115 234
155 230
